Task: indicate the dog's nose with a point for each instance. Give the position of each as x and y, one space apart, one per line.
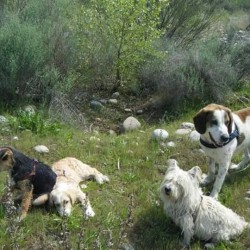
224 138
167 190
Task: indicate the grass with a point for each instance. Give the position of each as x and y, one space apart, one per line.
128 209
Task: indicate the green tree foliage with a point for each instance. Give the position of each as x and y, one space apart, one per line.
123 30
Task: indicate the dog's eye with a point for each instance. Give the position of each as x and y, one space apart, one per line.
66 202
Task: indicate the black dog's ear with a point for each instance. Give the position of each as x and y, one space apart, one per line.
200 121
4 154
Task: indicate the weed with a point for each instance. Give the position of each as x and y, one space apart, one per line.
35 122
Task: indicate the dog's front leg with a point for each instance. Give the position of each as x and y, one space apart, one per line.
27 189
222 172
88 211
211 172
188 230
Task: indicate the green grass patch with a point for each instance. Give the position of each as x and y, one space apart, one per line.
136 167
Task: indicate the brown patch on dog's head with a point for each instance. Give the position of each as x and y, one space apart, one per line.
6 159
229 120
205 115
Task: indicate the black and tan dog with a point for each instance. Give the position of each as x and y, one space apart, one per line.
31 177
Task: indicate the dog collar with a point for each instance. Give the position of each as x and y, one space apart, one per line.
232 136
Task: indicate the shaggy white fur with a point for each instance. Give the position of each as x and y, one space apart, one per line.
196 214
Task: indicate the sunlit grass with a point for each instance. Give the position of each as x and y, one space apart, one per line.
136 167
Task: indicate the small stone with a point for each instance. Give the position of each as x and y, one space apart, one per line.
139 112
112 101
171 144
115 95
187 125
183 131
3 119
194 136
15 138
112 132
159 134
103 101
95 105
41 149
128 110
30 109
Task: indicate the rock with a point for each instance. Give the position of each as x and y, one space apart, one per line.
139 112
95 105
115 95
41 149
187 125
112 101
128 110
94 138
183 131
131 123
159 135
3 120
112 132
194 136
15 138
103 101
171 144
30 109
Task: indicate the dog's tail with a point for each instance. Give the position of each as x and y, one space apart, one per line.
42 199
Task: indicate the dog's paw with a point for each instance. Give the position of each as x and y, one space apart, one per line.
183 245
89 212
234 167
205 180
209 245
100 179
21 217
214 195
83 186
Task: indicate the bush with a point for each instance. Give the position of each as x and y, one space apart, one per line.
22 53
240 61
201 74
36 47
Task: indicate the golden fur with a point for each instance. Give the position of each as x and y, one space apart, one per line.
71 172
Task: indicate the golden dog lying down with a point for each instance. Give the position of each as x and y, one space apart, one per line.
70 173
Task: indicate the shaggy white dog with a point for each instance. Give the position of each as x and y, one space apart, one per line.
197 215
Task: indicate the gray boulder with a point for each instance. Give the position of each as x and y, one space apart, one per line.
131 123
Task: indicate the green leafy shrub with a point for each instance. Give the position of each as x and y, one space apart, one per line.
35 122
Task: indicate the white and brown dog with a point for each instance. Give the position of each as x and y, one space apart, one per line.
70 173
196 214
222 134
